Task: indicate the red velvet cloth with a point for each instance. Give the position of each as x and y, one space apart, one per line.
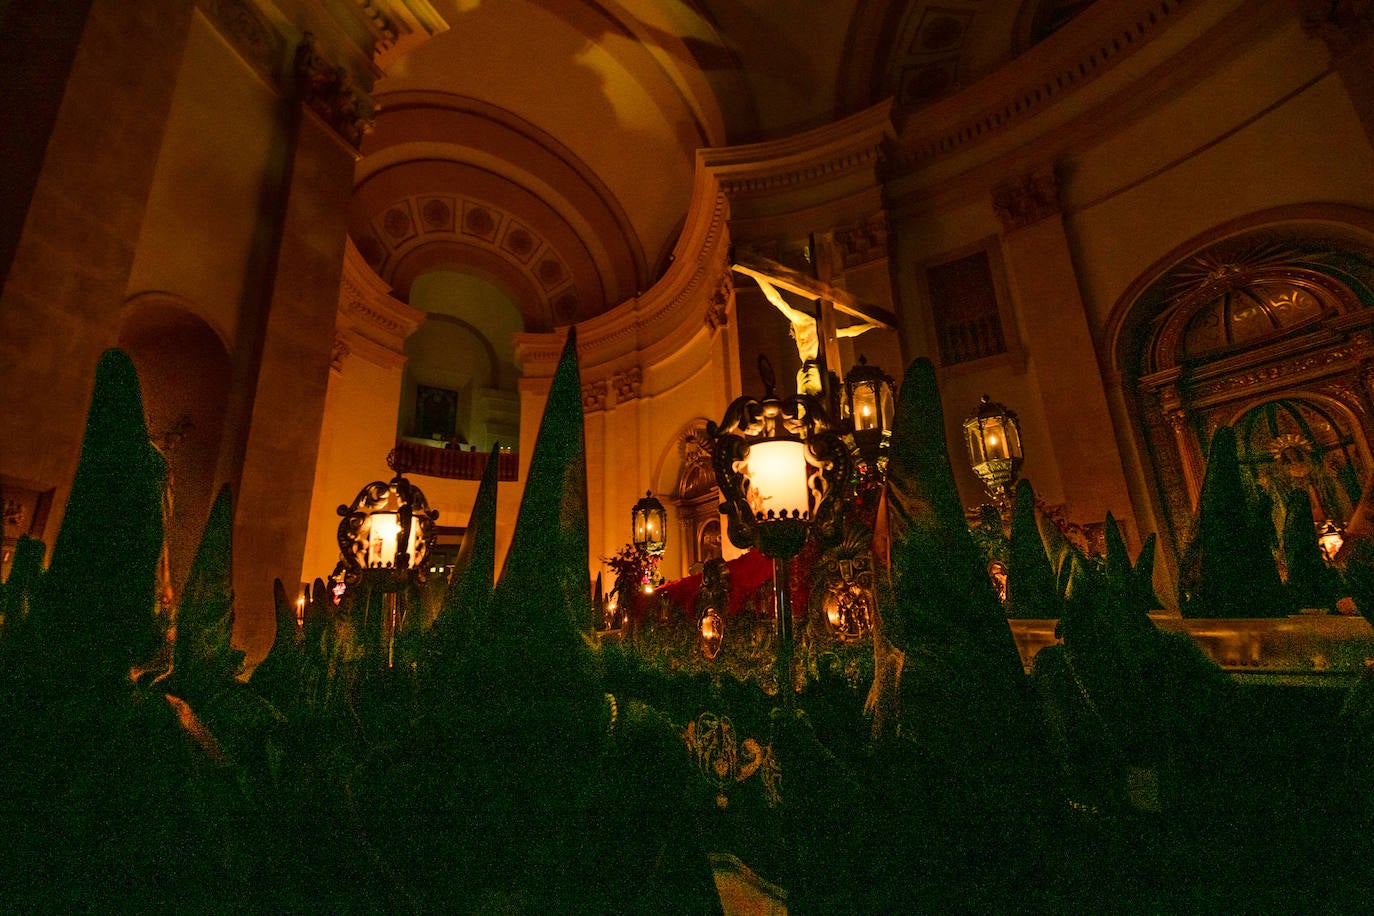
748 573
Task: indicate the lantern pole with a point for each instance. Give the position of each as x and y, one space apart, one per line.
776 462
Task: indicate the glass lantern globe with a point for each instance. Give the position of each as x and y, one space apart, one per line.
993 437
649 525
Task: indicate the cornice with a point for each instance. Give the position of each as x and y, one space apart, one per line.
370 314
1024 129
852 144
1094 42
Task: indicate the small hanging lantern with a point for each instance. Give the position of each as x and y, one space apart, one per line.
867 408
649 524
993 437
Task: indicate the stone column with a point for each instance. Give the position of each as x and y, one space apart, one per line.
94 88
1074 401
283 361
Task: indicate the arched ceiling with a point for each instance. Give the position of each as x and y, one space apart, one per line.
548 145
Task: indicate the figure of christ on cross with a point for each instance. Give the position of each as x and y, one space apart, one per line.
807 337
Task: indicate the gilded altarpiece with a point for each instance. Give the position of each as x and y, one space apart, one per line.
1275 338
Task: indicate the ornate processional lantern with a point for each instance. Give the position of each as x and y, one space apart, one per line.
649 525
384 536
777 462
867 407
993 437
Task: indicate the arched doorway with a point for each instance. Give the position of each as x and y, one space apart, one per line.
1269 330
184 373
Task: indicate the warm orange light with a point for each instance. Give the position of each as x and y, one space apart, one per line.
778 473
382 535
300 611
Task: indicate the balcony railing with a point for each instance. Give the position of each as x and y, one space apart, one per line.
452 463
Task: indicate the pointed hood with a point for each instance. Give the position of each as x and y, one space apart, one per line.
465 614
205 616
97 600
1031 587
1230 568
546 568
938 576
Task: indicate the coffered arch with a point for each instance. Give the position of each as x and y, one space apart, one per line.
477 216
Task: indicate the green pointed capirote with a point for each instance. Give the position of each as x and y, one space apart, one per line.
549 549
1031 587
1229 569
203 653
95 608
465 613
938 575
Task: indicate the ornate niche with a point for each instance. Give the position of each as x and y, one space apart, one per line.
1269 333
696 499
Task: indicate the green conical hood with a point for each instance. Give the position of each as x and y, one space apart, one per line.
545 572
98 596
467 602
938 575
26 571
277 678
963 695
1310 582
205 616
1229 568
1031 588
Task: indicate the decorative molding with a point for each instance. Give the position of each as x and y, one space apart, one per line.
371 323
1028 199
1049 71
697 477
405 225
339 352
1285 371
813 157
718 306
863 241
594 395
328 91
250 33
656 319
628 384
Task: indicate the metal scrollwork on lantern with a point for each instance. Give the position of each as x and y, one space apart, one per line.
388 526
993 437
776 462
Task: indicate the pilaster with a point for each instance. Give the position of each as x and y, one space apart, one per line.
1056 334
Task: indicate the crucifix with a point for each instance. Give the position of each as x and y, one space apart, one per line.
817 336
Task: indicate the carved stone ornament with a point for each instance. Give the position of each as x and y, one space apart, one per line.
338 353
863 242
328 91
718 306
248 31
1026 200
698 476
628 384
594 395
